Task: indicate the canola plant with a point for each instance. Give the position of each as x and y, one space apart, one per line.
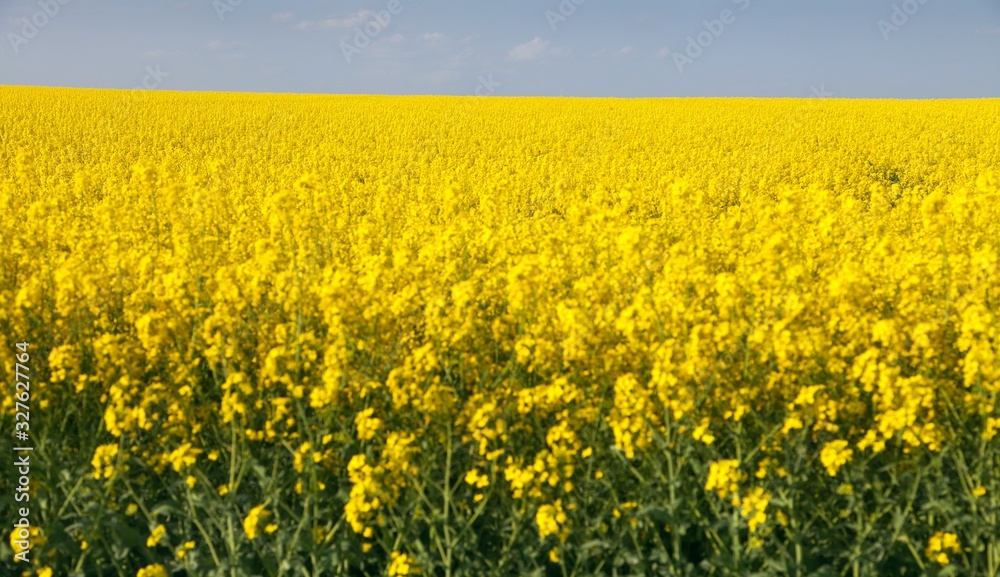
359 335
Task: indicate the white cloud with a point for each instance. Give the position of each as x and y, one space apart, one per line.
625 51
356 19
534 49
529 50
663 53
433 37
281 17
988 31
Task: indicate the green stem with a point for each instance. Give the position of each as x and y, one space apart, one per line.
447 504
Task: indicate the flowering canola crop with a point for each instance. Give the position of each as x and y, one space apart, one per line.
356 335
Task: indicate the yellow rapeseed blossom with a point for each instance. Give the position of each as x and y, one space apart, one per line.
36 538
183 457
367 424
834 455
155 570
183 549
104 460
252 520
552 520
155 536
940 544
724 477
401 564
754 507
476 479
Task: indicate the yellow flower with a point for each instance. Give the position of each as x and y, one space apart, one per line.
754 507
183 549
252 519
156 570
723 477
701 432
183 457
474 478
939 544
35 539
834 455
992 426
155 536
300 454
104 460
979 491
791 423
552 520
191 481
401 564
367 425
763 466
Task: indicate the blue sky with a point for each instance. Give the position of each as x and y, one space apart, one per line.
797 48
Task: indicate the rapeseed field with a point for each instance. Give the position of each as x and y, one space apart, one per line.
361 335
